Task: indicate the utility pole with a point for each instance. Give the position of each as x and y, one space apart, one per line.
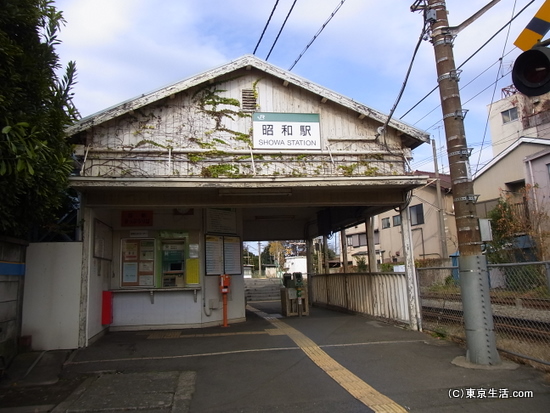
260 259
474 279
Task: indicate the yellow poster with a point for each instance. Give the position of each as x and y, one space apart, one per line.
192 271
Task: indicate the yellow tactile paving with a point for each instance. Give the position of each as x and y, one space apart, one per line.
345 378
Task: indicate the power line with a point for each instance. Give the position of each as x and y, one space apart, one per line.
282 27
265 28
317 34
472 98
422 34
494 91
471 56
463 87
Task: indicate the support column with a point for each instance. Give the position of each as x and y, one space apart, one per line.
478 314
369 225
325 254
309 263
413 298
87 246
344 248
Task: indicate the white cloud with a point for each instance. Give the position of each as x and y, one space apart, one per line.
91 23
124 48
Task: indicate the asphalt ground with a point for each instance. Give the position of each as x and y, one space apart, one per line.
324 362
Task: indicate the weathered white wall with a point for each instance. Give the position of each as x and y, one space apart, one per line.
51 300
162 310
178 137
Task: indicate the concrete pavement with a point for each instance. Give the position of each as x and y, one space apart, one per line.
325 362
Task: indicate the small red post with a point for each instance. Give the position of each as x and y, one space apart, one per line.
225 282
107 308
225 310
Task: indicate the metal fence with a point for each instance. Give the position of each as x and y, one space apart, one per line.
520 299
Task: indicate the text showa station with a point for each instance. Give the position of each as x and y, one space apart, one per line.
286 131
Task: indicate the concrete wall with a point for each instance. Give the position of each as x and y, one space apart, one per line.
51 302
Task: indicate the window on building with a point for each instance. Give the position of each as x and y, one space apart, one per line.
385 223
358 240
509 115
417 214
396 220
349 240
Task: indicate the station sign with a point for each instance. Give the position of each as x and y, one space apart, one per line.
287 131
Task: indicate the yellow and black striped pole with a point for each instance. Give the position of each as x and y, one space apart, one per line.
536 29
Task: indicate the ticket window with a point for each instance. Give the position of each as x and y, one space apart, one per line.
173 263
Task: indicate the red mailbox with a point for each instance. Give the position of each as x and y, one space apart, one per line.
225 283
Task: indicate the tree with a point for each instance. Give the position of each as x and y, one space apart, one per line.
35 108
520 227
277 251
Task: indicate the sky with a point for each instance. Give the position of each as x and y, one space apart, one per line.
126 48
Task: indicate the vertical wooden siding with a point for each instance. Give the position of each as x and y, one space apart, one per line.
377 294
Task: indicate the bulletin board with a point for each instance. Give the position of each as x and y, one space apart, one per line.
138 262
223 255
103 240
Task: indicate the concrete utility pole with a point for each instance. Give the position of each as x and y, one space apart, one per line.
474 279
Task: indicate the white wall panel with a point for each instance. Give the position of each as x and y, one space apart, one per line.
51 301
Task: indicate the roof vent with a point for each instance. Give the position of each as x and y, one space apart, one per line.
249 100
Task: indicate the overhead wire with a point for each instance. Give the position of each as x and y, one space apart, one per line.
265 28
473 97
280 31
494 91
500 60
317 34
461 88
382 130
471 56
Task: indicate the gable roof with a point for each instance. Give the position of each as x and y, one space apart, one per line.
444 179
510 149
248 61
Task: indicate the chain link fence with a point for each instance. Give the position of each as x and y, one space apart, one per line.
520 299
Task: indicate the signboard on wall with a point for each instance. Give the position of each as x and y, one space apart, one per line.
221 220
287 131
136 218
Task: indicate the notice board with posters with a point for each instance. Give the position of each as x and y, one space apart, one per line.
138 262
223 254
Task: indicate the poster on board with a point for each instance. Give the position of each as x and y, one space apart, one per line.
223 255
214 255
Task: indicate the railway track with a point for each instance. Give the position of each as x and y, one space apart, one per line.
533 329
535 303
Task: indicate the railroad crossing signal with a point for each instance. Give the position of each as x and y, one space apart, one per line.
531 71
536 29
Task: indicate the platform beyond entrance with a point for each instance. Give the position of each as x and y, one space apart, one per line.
272 363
